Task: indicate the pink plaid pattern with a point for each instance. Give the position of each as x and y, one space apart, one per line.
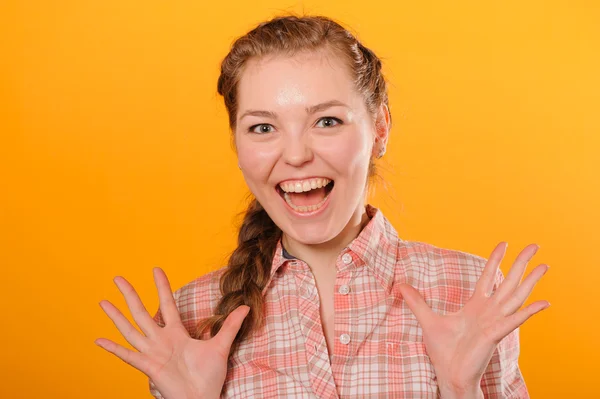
379 350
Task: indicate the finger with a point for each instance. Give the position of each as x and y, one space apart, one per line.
514 276
168 307
521 294
485 284
517 319
130 357
230 328
136 307
130 333
417 305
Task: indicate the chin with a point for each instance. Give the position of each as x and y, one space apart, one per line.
310 235
311 227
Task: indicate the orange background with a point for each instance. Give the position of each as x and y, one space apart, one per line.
115 157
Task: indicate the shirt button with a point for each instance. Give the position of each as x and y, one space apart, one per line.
347 259
345 339
344 289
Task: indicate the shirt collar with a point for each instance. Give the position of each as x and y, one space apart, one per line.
279 260
376 248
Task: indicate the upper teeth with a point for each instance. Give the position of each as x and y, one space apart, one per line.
304 185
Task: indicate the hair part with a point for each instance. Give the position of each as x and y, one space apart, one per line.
249 266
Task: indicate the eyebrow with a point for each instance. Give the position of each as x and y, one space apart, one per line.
309 110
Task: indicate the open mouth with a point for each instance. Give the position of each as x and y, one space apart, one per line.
306 196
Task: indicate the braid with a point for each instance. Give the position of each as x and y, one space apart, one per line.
249 266
247 273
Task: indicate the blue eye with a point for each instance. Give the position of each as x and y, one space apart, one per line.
263 128
329 121
325 122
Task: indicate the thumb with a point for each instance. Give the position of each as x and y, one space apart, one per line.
231 326
416 304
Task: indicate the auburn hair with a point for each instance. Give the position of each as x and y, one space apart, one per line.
249 266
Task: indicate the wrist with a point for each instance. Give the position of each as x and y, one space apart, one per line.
190 395
454 391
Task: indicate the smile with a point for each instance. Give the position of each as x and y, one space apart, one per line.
306 196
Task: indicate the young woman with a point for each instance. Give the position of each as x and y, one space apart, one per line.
322 298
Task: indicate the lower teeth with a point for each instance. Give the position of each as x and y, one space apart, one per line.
304 208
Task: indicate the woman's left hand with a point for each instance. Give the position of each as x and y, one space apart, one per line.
460 345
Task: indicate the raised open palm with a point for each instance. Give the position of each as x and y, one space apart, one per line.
180 366
460 345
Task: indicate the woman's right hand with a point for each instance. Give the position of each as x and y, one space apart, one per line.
180 367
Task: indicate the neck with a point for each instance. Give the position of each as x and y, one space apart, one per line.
325 253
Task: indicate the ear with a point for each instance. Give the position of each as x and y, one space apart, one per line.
382 130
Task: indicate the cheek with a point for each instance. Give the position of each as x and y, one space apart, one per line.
256 161
349 155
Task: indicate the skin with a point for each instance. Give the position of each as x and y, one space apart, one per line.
277 140
460 345
181 367
300 145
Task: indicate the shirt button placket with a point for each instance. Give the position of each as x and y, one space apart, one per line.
347 258
344 303
345 339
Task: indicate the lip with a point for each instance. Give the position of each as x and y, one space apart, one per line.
301 179
306 214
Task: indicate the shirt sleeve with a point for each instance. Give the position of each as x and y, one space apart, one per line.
153 391
503 378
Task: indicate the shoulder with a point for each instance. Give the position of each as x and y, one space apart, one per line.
436 259
196 300
439 271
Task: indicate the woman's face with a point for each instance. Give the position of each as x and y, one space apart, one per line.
304 140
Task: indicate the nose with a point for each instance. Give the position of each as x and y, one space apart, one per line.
297 150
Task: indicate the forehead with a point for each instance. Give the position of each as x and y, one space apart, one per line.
302 79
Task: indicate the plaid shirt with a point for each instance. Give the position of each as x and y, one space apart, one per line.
379 350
